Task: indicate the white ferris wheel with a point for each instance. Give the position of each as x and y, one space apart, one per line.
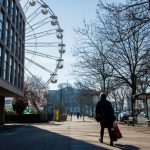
44 45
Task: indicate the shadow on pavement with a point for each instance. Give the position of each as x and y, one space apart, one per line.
22 137
126 147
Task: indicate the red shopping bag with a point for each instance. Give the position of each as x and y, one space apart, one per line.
117 131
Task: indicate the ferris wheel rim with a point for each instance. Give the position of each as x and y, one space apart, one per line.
51 13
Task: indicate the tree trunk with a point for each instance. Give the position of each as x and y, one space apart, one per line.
133 100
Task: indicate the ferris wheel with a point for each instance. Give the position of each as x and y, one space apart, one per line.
44 45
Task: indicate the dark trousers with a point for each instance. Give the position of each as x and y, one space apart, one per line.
102 132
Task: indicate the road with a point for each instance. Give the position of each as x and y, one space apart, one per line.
70 135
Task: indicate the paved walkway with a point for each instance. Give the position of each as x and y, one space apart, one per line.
71 135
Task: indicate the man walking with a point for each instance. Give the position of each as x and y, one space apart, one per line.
105 113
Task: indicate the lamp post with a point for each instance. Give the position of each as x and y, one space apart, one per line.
61 101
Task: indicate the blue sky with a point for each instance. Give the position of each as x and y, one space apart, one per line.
71 14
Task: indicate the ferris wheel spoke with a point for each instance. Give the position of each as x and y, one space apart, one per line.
47 32
51 78
42 44
33 16
43 41
42 54
40 34
38 65
37 25
34 36
26 7
42 86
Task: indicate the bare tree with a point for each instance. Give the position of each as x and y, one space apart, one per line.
130 52
137 10
92 68
121 58
119 96
85 98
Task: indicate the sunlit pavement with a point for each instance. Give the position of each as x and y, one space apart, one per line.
71 135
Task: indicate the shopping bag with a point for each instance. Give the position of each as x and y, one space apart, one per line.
117 131
97 117
113 135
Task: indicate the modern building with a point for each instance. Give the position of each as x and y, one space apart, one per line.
65 98
12 49
68 98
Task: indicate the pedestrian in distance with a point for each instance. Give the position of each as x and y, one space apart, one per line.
78 114
105 115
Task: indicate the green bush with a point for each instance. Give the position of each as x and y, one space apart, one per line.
9 112
63 117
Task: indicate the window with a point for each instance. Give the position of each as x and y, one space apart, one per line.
11 70
20 24
1 2
8 5
12 40
18 76
17 18
12 12
15 73
0 61
7 33
21 76
1 24
22 54
16 45
23 30
6 66
19 49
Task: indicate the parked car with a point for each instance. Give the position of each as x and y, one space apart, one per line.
142 114
123 116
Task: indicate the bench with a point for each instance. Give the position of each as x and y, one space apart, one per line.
130 120
148 122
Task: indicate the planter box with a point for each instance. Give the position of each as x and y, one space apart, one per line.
26 118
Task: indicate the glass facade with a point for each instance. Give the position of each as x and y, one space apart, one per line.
1 2
12 41
5 66
0 61
1 24
15 74
12 12
11 70
7 33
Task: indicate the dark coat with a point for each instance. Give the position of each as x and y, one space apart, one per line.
105 112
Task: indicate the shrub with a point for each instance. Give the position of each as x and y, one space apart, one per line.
63 117
9 112
19 105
